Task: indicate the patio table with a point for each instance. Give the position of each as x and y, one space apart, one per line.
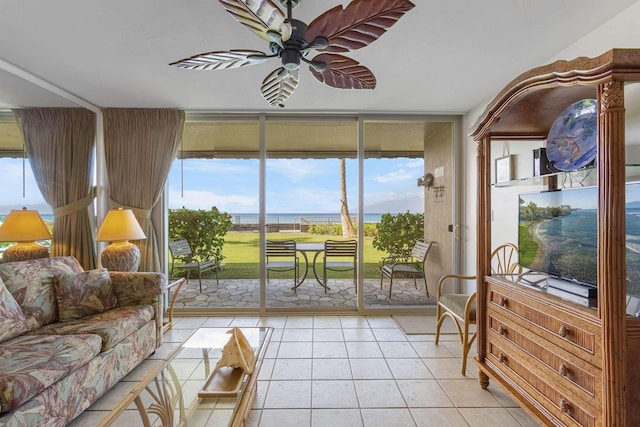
316 249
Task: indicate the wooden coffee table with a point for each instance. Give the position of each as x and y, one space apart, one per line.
168 395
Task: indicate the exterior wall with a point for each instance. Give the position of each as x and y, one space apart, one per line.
438 204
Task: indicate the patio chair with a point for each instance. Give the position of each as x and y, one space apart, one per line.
282 256
461 308
412 266
340 255
181 251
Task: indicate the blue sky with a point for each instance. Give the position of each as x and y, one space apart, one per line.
579 197
296 185
11 195
293 185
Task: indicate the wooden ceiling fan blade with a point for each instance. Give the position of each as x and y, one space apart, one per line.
343 73
279 85
260 16
222 60
359 25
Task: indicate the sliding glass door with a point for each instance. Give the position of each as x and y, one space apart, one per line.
307 180
311 179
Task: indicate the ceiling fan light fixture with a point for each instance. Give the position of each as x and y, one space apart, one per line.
319 43
275 37
290 59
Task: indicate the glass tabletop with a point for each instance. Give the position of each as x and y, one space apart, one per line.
174 394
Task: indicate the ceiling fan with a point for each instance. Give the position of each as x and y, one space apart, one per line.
336 31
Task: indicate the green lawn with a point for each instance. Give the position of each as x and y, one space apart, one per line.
242 255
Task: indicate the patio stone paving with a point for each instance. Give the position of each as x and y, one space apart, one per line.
244 293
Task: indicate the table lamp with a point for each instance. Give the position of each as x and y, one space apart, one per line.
24 227
120 226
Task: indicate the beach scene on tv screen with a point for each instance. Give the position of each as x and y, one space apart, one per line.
557 234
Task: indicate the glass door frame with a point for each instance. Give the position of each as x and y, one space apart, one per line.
456 122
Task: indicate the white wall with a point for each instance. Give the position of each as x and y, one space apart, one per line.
623 31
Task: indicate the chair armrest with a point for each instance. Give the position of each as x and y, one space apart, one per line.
393 260
443 280
212 257
416 264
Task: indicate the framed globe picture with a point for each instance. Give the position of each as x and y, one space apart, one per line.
572 139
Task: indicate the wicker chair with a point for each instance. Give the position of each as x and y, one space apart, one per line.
461 308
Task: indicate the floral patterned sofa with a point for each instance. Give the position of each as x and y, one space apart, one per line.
68 335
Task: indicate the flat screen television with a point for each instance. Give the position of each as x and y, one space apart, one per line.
557 234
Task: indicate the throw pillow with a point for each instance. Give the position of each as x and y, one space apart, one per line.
12 320
31 284
83 294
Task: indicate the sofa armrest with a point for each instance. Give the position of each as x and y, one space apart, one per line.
141 288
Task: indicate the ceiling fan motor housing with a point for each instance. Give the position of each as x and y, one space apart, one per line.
293 48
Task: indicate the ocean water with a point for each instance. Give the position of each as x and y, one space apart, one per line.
570 247
279 218
300 218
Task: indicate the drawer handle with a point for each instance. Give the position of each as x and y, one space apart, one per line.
563 370
563 331
564 406
502 358
502 330
502 301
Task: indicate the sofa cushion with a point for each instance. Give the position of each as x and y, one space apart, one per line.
31 363
31 284
12 321
112 326
83 294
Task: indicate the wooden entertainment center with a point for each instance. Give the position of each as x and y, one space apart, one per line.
566 364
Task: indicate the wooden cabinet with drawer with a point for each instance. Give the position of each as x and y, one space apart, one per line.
559 370
565 364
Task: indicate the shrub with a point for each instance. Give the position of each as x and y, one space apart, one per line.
326 229
204 230
370 230
397 234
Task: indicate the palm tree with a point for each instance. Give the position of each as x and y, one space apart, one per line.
347 226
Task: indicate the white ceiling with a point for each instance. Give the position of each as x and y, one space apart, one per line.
444 56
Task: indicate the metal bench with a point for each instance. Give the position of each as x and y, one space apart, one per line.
407 267
181 251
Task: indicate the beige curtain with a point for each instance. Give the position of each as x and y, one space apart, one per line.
60 144
140 145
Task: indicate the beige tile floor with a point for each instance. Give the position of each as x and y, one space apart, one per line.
350 371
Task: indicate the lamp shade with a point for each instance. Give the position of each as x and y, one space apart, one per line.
120 225
24 226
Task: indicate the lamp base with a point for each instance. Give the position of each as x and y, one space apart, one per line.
24 251
121 256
